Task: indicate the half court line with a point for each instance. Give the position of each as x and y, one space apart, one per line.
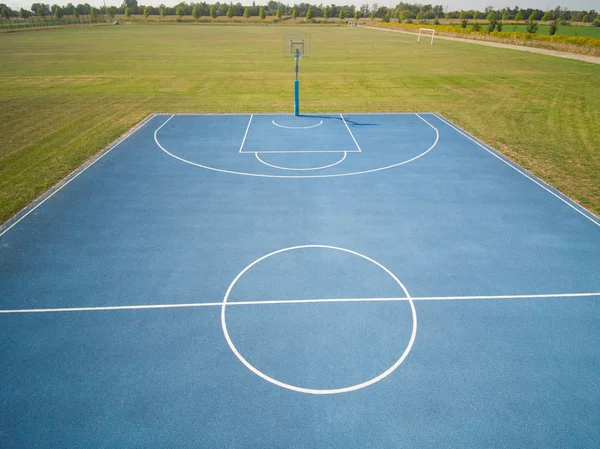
301 301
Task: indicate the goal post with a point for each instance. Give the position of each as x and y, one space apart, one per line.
425 31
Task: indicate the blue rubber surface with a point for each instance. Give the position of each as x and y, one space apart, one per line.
343 281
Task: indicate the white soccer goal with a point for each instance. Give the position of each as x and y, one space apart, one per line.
426 30
351 24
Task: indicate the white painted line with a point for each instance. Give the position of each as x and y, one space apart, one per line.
105 308
297 127
302 169
351 135
347 389
80 171
298 151
335 175
246 133
302 301
527 175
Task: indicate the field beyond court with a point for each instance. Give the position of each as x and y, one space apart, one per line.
68 93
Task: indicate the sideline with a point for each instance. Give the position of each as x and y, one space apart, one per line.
543 51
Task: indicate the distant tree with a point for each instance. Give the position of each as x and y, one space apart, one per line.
586 18
294 14
402 16
76 14
519 15
373 15
326 12
447 15
499 26
247 13
5 13
127 13
229 13
419 15
546 16
475 15
462 15
387 17
131 4
179 11
278 14
553 27
531 27
505 15
213 11
24 14
112 11
309 13
532 15
93 14
196 12
356 14
162 13
491 16
342 13
261 13
146 13
58 13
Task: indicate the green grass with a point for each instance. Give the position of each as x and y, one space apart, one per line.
69 92
564 30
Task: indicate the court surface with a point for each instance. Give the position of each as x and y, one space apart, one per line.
262 281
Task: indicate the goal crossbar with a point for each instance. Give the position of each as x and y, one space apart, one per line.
427 30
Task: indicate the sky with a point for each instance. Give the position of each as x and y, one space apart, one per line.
452 5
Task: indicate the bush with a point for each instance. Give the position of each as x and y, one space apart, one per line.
436 21
476 27
492 26
553 28
408 20
499 26
596 23
464 23
532 27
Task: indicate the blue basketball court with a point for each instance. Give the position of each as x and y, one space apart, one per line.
326 280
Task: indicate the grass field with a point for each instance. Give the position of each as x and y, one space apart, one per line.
69 92
566 31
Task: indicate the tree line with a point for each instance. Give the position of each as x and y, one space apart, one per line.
305 10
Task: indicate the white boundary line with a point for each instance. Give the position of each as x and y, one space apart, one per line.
302 169
245 134
79 171
517 169
352 135
335 175
301 301
298 151
297 127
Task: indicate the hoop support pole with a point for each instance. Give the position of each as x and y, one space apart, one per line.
296 97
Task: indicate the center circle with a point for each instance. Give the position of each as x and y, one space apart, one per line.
300 389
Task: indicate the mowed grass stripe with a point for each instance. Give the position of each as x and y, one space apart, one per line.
68 93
